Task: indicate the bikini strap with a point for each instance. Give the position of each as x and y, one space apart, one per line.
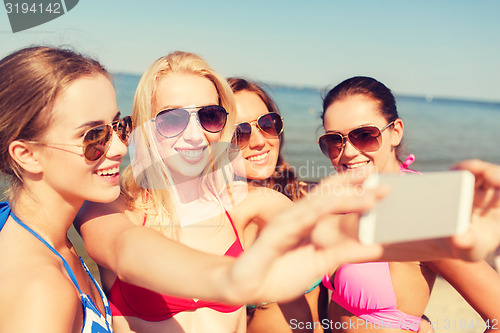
232 225
66 265
409 160
146 214
404 167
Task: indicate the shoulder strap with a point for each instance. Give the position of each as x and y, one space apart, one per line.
66 265
4 213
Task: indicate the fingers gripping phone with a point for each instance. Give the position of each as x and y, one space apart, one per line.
419 206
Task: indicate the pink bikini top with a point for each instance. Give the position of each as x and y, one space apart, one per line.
129 300
366 290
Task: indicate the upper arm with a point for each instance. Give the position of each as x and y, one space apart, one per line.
101 226
47 303
477 282
263 204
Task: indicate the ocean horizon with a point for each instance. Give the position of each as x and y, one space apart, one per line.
439 131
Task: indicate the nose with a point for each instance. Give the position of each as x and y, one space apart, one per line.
349 150
117 148
257 139
193 132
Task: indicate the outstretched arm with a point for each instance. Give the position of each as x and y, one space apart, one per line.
481 238
283 250
477 282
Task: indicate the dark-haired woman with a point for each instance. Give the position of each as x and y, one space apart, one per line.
363 130
259 135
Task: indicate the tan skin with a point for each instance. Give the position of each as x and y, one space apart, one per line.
260 156
186 90
259 206
37 294
116 242
477 282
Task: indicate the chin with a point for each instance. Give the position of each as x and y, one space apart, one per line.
106 196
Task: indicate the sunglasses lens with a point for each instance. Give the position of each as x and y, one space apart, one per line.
123 128
242 134
271 124
96 142
366 139
331 145
170 123
212 118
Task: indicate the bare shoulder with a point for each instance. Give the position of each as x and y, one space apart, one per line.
93 210
260 205
264 197
477 282
37 297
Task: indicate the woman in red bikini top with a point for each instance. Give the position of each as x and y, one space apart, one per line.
363 130
180 183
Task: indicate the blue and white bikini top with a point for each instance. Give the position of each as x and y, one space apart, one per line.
93 320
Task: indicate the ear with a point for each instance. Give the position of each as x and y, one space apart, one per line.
25 156
397 132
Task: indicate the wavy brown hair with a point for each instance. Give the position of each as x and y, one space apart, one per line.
283 178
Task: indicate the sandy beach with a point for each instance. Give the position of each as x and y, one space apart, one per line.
449 312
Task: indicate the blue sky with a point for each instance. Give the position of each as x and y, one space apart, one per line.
448 48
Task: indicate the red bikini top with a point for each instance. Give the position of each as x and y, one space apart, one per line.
129 300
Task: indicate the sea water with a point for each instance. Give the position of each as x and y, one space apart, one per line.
438 131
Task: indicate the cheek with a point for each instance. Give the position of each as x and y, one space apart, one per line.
165 145
335 162
212 137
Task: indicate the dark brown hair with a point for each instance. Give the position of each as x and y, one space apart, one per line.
283 178
369 87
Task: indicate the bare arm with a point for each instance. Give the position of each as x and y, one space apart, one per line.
481 238
477 282
46 304
146 258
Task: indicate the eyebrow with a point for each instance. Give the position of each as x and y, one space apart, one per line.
95 123
353 128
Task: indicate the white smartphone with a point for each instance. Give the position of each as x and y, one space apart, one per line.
419 206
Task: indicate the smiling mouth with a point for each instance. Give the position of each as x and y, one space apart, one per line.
256 158
108 172
355 165
191 155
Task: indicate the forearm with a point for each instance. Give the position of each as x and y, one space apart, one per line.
150 260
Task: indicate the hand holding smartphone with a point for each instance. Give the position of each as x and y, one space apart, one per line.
419 206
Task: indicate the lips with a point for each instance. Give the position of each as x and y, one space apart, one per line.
191 155
352 166
108 172
258 157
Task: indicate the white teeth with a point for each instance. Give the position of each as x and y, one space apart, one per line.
257 157
356 165
191 153
108 172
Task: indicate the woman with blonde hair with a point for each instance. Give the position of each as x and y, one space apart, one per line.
176 227
180 184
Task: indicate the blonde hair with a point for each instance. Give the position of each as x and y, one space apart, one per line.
161 198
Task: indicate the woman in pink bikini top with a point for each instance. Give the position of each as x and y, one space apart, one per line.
363 130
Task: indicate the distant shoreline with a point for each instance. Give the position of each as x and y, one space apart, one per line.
281 86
